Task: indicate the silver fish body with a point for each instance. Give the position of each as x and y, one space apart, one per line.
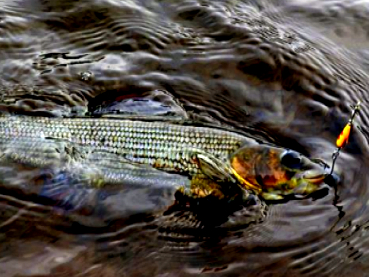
114 145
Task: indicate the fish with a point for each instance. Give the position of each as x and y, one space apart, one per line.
115 150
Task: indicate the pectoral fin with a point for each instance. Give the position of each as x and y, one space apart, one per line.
201 186
214 168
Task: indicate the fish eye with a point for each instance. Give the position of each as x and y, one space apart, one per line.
291 159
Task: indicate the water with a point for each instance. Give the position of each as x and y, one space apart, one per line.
285 72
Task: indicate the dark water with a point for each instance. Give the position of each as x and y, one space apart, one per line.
285 72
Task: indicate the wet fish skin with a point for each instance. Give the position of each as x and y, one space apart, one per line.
161 145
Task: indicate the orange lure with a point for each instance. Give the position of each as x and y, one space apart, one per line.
342 139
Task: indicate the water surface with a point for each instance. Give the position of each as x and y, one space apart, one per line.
285 72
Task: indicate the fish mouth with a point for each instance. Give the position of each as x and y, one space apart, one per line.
315 177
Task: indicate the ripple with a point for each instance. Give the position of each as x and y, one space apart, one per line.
284 72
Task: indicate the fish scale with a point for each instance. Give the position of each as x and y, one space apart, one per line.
161 145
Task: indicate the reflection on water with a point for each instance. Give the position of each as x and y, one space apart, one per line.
284 72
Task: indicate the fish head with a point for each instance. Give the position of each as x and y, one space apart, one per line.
274 172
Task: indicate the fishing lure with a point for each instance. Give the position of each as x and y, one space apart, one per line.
343 137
